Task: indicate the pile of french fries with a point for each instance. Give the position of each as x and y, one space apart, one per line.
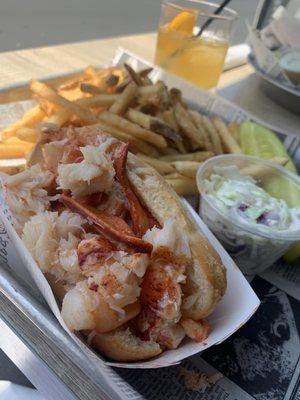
154 120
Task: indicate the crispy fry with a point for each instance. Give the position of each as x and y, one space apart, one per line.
150 90
137 145
197 156
121 86
183 186
149 109
214 136
165 97
11 151
63 115
133 129
153 94
174 175
152 124
112 80
159 126
48 107
101 82
175 96
92 89
186 168
145 72
229 143
162 167
28 120
168 151
124 100
71 84
144 75
14 148
189 129
104 100
197 119
45 91
169 117
59 118
234 129
134 75
27 134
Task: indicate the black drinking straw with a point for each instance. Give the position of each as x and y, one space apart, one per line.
210 20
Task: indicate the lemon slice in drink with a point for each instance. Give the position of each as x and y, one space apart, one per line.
259 141
184 22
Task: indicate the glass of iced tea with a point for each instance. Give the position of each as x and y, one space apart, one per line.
192 42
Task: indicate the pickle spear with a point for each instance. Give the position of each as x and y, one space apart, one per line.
259 141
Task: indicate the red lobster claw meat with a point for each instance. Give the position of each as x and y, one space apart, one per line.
108 225
139 216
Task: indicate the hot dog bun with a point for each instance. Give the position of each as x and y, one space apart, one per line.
206 277
122 345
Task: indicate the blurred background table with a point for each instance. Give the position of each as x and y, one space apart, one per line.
240 85
27 347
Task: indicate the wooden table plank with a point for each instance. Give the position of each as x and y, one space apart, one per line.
20 66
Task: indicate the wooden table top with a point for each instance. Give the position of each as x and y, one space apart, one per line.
17 67
240 85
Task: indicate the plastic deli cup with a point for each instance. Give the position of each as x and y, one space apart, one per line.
253 234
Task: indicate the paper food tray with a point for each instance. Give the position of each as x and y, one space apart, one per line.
228 316
239 301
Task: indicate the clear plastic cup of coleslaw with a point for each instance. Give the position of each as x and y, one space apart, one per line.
252 206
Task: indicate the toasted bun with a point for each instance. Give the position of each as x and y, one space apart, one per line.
122 345
206 277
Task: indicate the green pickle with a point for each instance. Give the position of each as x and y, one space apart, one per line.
259 141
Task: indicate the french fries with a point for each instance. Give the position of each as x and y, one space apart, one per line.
135 144
101 100
183 186
229 143
188 127
154 120
186 168
27 134
197 156
124 100
137 79
214 136
133 129
92 89
163 167
153 124
29 120
234 129
197 119
13 147
49 94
